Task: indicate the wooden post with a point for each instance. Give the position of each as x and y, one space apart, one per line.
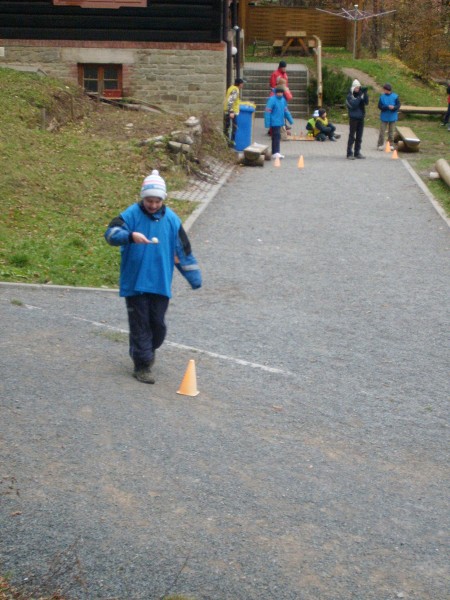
318 55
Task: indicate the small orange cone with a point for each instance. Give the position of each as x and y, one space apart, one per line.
301 162
388 147
277 162
394 154
188 386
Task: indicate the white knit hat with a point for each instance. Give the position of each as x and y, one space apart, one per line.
355 84
154 186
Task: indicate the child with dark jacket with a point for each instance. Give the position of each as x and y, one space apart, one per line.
357 100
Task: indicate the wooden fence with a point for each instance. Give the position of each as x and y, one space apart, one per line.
271 23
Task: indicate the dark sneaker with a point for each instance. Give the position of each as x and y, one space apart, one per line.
359 156
333 139
350 157
144 375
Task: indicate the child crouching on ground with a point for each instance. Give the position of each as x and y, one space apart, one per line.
323 128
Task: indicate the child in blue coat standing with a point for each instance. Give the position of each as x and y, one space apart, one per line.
152 243
389 105
274 117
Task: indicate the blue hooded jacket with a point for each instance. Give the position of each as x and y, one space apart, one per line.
148 268
276 112
388 115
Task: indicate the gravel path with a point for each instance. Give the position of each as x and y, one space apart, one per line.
312 465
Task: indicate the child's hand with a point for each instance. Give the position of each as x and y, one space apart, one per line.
139 238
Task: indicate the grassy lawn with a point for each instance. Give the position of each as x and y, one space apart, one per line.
62 185
435 139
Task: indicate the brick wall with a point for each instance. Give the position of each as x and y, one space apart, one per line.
172 75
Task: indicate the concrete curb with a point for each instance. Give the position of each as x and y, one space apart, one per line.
56 288
207 199
426 191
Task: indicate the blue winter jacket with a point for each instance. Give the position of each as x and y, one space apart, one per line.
388 115
148 268
276 112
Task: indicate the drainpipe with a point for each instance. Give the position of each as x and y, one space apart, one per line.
234 13
237 31
229 63
226 36
237 56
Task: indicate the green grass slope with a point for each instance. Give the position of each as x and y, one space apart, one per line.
69 166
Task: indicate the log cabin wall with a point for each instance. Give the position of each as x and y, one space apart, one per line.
168 53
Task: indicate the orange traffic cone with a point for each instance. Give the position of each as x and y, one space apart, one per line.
277 162
301 162
394 154
188 386
388 147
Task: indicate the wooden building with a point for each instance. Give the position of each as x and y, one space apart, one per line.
166 52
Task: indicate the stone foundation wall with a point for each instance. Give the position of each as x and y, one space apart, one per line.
186 76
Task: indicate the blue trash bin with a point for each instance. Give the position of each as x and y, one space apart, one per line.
244 127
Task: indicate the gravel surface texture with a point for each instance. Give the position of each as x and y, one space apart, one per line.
314 462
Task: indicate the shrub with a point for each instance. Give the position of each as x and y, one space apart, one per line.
335 85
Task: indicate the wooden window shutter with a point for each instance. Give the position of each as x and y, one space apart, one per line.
102 3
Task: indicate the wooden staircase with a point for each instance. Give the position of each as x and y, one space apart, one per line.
256 89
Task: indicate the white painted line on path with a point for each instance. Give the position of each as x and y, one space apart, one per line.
237 361
232 359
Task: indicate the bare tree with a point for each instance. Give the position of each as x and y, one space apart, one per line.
420 37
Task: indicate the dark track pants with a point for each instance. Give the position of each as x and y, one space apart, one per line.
230 127
146 314
355 136
276 138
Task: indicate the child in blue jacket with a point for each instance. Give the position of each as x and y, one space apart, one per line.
152 243
274 117
389 104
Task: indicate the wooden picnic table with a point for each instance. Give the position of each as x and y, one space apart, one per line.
295 41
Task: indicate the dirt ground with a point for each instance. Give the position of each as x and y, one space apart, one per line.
363 78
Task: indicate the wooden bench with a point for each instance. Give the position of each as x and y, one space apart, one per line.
405 109
277 46
263 45
407 139
255 155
